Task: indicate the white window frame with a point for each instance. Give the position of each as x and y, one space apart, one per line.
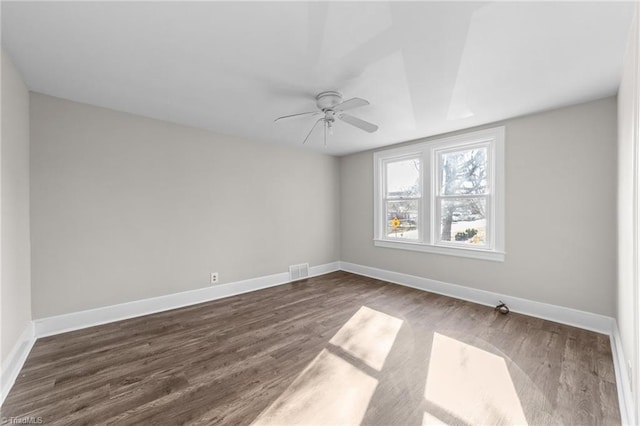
429 220
421 204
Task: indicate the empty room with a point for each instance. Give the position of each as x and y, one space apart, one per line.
320 213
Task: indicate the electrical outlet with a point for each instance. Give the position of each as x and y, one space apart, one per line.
214 278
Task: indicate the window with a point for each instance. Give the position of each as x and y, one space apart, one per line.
402 198
443 196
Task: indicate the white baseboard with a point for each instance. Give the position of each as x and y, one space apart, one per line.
15 360
89 318
623 384
569 316
326 268
586 320
78 320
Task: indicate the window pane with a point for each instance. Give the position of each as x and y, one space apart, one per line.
464 172
402 219
403 178
464 220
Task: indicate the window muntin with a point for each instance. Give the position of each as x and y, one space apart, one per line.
457 207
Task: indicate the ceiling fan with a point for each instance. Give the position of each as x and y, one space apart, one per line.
331 106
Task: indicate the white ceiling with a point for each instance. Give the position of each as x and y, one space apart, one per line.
426 68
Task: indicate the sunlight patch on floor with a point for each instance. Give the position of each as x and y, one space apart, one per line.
332 390
368 336
471 384
329 391
429 420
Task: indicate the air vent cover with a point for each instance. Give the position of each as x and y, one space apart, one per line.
298 272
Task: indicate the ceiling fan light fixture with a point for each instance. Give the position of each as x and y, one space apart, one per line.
331 105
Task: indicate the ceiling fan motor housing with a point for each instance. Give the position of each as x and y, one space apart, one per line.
328 100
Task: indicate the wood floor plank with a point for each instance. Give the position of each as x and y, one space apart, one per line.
266 356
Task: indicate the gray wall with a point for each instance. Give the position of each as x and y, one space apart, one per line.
560 214
125 207
627 285
15 291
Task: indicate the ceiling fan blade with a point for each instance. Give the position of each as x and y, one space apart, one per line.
350 104
296 115
311 131
360 124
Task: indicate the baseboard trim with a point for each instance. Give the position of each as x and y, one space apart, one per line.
83 319
573 317
103 315
15 360
623 384
589 321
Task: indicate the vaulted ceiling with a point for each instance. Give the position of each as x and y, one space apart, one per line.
233 67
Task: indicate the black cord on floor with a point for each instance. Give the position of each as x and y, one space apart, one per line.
502 308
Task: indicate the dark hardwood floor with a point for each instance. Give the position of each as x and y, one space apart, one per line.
336 349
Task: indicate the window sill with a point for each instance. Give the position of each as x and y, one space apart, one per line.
496 256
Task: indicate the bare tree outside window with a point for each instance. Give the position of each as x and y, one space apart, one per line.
462 195
443 196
